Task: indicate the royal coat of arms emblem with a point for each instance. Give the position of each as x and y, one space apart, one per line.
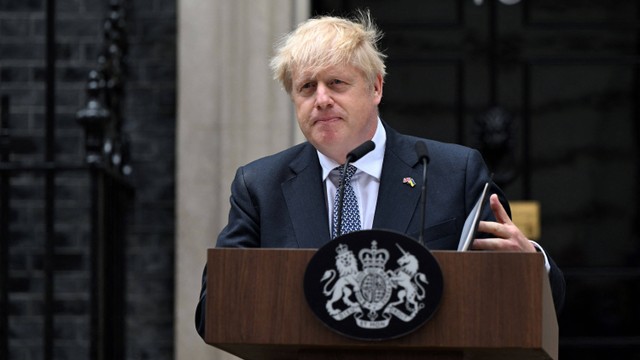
373 283
367 292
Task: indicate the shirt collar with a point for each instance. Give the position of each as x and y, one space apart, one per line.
371 163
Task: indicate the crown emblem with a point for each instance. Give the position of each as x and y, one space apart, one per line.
373 258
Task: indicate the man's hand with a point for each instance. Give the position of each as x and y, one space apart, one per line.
507 235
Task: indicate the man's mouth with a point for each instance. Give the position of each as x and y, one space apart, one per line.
326 119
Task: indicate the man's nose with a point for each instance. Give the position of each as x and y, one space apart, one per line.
323 96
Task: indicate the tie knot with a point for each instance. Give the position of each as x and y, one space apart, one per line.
349 174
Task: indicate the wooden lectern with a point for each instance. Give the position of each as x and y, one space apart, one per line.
495 305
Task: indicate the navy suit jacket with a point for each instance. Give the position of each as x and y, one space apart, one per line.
279 201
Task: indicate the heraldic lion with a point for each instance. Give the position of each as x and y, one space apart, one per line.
347 266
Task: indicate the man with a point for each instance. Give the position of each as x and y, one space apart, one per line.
334 73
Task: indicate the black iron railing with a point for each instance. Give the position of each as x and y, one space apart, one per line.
107 167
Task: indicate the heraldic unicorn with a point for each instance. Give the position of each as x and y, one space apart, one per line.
373 294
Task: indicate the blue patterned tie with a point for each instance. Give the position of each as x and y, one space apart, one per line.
350 210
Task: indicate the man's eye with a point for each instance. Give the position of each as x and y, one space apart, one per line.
339 84
307 86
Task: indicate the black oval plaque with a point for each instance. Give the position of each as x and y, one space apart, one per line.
373 285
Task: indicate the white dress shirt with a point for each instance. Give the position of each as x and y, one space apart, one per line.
365 182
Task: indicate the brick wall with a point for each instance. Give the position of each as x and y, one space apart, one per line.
149 113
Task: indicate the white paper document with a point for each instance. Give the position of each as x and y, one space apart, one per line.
471 224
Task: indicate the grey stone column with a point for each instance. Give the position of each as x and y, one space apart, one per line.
230 112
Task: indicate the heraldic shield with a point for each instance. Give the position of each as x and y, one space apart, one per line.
373 285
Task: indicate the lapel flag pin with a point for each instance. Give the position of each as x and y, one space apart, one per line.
409 180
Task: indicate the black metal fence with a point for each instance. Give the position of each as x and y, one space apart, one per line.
108 192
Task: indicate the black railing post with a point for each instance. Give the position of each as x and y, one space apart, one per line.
98 318
94 119
4 229
107 154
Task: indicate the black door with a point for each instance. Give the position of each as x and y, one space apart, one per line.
561 79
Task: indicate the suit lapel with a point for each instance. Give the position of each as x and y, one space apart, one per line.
397 201
305 199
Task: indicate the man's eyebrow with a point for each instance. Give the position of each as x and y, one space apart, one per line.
303 78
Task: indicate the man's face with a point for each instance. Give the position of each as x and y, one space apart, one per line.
337 109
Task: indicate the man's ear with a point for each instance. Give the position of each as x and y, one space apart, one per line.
377 87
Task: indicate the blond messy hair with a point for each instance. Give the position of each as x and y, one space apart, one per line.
328 41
